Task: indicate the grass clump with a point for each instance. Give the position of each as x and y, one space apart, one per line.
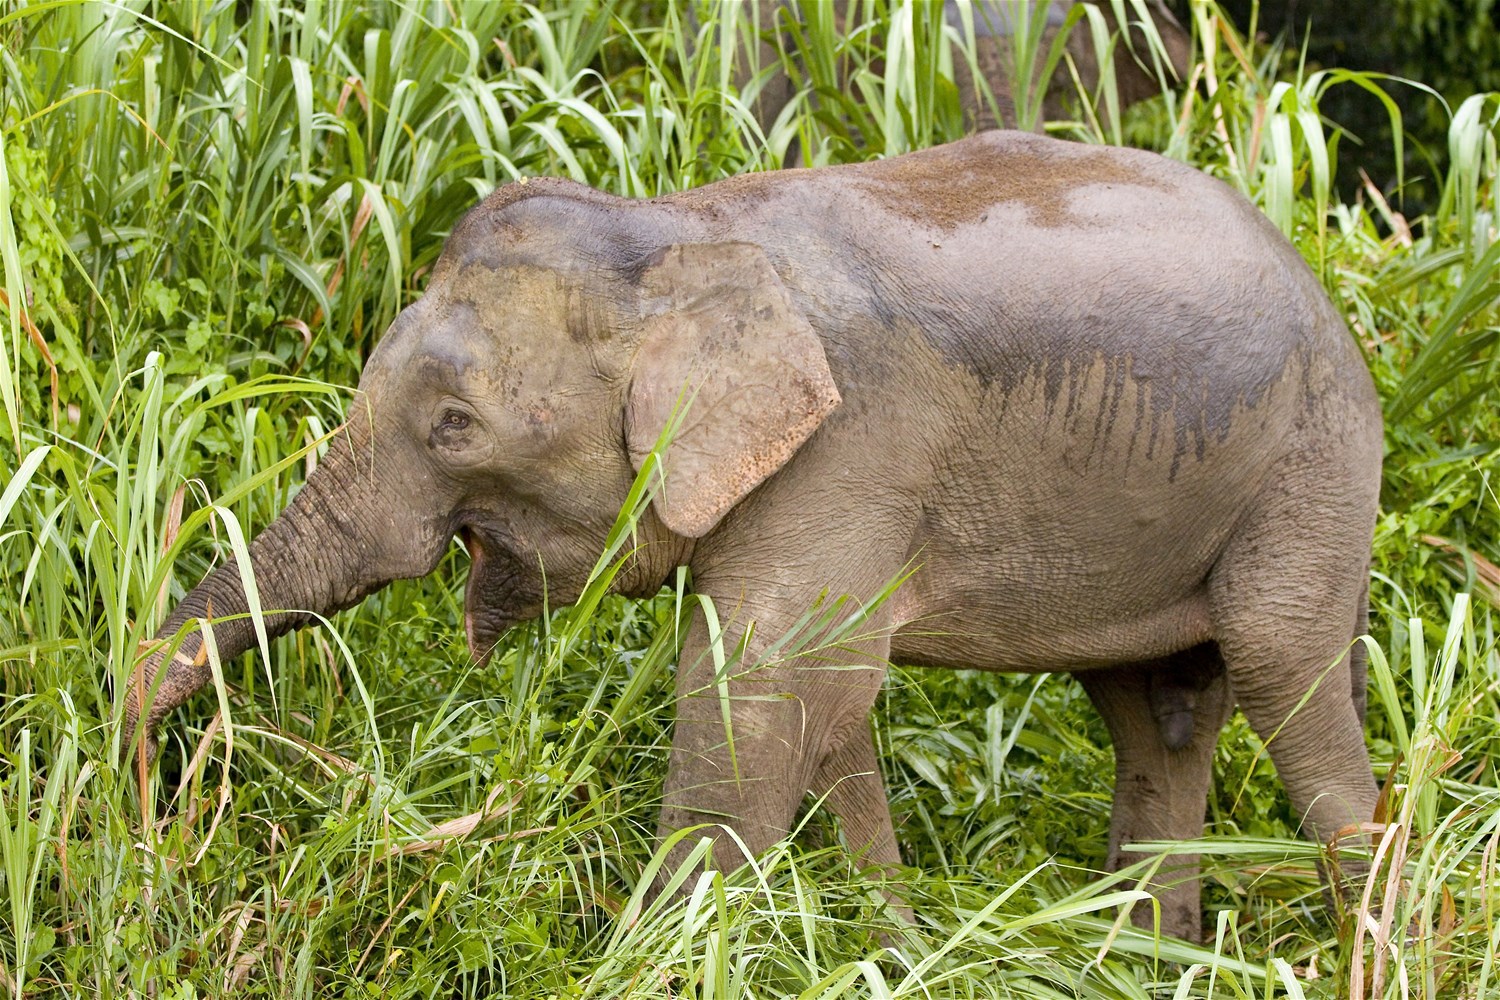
212 210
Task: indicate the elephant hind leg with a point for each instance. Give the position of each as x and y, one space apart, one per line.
1286 599
1161 784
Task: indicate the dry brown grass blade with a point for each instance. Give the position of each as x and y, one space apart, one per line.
353 87
457 828
1401 231
169 532
1373 920
35 335
241 963
293 323
334 761
1447 924
385 925
1486 573
433 845
362 217
240 974
200 754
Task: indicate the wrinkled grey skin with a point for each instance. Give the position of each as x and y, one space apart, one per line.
1089 396
995 24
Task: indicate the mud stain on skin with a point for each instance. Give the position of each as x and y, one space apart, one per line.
1102 391
948 190
489 219
1108 409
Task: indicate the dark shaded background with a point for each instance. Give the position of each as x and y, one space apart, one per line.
1452 46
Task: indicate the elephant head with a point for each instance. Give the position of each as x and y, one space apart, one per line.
513 406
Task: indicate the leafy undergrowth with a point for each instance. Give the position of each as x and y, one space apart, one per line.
213 210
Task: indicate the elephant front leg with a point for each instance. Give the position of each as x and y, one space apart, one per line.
851 785
769 714
738 761
1163 769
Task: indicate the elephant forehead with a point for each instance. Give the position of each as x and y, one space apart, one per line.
489 326
426 339
527 306
488 303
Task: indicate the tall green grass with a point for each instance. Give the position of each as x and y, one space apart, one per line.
211 212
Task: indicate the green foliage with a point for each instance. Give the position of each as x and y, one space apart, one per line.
213 209
1454 44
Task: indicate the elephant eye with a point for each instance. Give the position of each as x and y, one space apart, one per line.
448 432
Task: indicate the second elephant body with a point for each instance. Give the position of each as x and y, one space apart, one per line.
1139 63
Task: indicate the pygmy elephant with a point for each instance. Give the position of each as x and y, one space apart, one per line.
1088 400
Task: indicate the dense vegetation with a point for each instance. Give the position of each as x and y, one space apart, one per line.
1444 50
211 212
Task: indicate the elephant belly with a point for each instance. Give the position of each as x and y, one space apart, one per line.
1068 565
1066 569
1035 629
1059 537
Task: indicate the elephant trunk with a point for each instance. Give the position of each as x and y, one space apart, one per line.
337 542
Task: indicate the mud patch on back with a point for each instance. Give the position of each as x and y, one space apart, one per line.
949 189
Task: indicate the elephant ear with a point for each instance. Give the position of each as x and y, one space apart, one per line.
723 342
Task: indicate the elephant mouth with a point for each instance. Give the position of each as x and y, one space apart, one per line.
492 592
